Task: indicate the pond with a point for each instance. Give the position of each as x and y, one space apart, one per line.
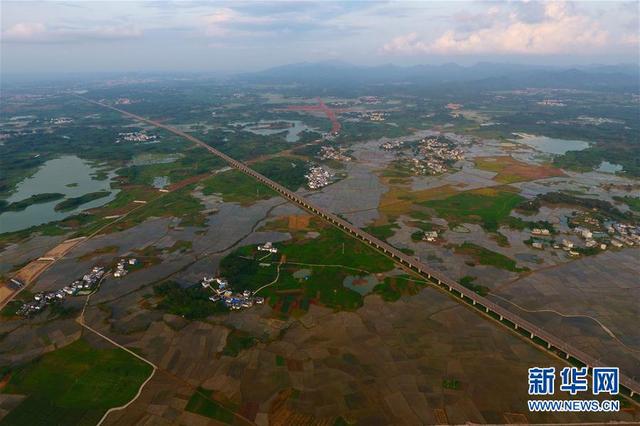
148 159
607 167
361 284
160 182
550 145
68 175
270 127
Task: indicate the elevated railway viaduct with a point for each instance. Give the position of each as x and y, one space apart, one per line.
482 305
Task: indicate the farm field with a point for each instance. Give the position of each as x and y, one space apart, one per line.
74 385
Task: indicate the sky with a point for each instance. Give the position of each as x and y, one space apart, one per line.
81 36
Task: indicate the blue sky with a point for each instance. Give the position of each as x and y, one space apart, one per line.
241 36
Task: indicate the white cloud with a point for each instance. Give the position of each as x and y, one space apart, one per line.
228 22
24 31
36 32
560 30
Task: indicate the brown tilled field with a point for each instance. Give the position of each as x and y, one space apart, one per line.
299 222
510 170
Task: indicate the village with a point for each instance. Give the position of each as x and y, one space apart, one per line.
61 120
616 235
135 137
223 293
431 157
318 177
83 286
121 267
375 116
434 157
80 287
331 153
391 145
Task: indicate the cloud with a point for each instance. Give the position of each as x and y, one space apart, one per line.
24 31
268 20
36 32
558 29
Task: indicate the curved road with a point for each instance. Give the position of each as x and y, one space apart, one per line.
489 309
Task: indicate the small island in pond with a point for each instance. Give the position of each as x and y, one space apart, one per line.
72 203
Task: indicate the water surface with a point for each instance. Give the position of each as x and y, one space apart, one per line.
607 167
68 175
550 145
262 128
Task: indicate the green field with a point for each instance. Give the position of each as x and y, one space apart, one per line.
632 202
74 385
287 171
382 232
324 255
180 204
238 341
191 302
335 247
468 282
486 207
191 162
394 287
236 187
487 257
201 402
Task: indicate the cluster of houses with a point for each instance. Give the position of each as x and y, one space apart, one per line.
87 283
377 116
61 120
539 232
135 137
371 100
121 267
623 234
568 246
268 247
435 156
430 236
331 153
318 177
41 300
552 102
391 145
617 235
597 121
419 167
222 292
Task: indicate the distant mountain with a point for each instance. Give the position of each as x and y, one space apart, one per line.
484 73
